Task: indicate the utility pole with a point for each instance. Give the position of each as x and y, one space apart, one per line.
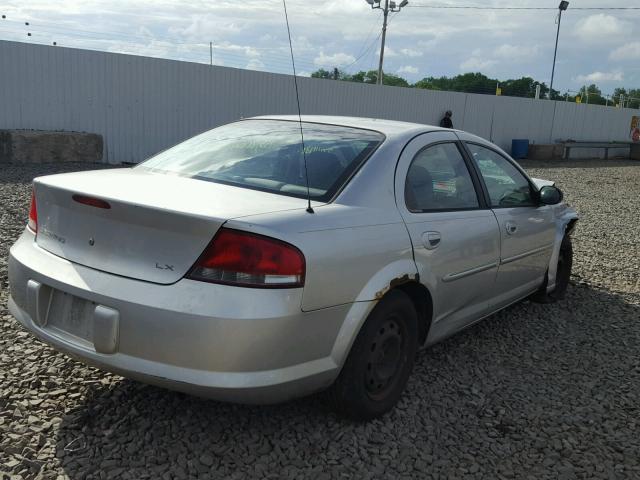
210 53
384 36
389 6
562 7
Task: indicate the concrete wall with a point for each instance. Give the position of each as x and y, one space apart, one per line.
142 105
36 146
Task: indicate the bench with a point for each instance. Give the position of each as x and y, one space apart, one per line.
606 145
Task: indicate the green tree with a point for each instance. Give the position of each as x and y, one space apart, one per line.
631 96
364 77
526 87
372 77
634 98
555 94
394 80
522 87
480 83
322 73
333 74
425 84
594 95
467 82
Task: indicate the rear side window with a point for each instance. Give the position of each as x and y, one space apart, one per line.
438 179
267 155
507 186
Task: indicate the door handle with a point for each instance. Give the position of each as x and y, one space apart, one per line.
431 240
511 227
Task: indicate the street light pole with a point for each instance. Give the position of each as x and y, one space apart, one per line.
562 7
389 6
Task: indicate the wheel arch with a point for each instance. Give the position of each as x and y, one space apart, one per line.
360 311
565 223
423 303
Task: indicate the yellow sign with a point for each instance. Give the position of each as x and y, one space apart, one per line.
635 122
498 91
578 99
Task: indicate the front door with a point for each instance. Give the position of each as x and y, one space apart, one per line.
454 234
526 227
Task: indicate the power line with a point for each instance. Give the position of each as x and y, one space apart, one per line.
365 52
366 46
182 50
474 7
101 35
273 54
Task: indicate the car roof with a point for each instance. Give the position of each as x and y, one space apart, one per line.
387 127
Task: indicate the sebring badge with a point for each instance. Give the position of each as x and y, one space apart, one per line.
92 242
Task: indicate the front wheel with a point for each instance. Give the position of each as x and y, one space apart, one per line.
380 361
563 274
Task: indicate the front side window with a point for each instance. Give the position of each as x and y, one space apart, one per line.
267 155
438 179
507 186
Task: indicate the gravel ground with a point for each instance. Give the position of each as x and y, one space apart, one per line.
537 391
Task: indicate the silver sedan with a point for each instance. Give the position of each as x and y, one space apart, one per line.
247 266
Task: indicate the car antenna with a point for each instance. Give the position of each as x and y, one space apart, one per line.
295 81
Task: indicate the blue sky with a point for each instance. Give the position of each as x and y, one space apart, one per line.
600 47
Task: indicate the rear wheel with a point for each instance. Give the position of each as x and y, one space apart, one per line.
381 358
563 274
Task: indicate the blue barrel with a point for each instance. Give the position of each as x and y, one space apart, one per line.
520 148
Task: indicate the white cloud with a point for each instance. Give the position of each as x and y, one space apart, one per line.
602 28
438 42
339 7
200 27
630 51
255 64
388 52
596 77
335 60
408 69
517 52
476 64
302 44
151 49
409 52
229 47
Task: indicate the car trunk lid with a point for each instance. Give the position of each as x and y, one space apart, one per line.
152 227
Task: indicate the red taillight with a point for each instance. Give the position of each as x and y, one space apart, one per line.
91 201
33 213
249 260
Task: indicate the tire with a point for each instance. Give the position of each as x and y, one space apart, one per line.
380 361
563 274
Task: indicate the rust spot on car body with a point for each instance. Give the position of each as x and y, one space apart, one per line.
394 283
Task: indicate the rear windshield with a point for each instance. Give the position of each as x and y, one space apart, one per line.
267 155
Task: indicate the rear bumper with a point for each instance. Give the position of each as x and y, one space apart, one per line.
228 343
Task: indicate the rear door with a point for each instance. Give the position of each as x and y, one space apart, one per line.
454 234
526 228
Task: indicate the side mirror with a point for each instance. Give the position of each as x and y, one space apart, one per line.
550 195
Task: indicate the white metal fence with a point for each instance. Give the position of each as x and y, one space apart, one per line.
142 105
